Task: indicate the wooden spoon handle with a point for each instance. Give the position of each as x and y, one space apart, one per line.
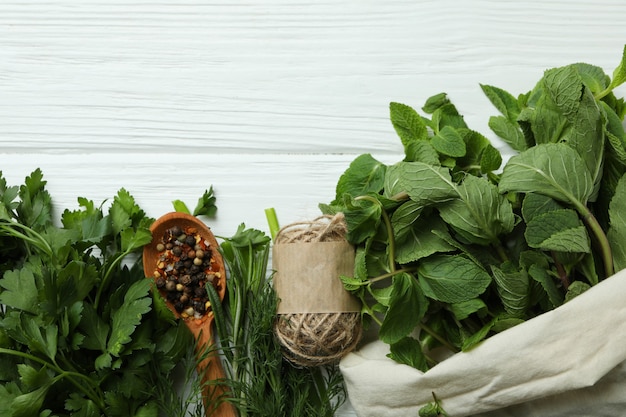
214 391
215 394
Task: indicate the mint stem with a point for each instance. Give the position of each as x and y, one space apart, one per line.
440 339
602 240
561 271
391 274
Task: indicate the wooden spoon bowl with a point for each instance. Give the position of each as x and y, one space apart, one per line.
200 325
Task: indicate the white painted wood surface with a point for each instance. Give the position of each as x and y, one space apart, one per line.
267 102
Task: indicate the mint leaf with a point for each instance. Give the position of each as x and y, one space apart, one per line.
558 230
426 184
435 102
619 73
408 351
452 279
506 104
576 289
364 175
464 309
565 88
513 287
447 116
615 135
554 170
363 218
509 132
478 336
406 308
418 238
543 277
480 214
490 159
535 204
480 156
617 229
404 217
409 126
449 142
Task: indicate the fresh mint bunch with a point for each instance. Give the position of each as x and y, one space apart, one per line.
452 247
81 332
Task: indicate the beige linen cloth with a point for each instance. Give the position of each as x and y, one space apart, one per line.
570 361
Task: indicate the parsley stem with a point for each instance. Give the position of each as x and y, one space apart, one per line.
38 241
69 375
106 276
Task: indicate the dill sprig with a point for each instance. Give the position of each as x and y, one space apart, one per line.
261 382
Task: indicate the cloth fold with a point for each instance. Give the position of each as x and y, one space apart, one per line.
552 364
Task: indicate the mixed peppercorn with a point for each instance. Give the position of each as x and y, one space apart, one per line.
184 267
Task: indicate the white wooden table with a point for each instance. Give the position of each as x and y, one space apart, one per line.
272 100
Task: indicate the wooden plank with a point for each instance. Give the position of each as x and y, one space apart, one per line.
244 185
272 77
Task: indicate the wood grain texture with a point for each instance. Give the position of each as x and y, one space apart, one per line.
244 185
271 77
267 101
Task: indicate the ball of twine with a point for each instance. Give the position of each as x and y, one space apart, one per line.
314 339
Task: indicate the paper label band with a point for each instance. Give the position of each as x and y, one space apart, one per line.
307 277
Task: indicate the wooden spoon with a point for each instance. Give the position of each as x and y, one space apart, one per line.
210 368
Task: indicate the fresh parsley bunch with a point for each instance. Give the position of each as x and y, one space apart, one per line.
81 332
449 245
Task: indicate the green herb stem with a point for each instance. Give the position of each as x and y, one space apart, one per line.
85 388
106 277
501 252
440 339
391 274
37 240
561 272
25 356
401 196
603 241
272 221
69 375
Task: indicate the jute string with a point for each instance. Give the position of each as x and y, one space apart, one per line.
314 339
